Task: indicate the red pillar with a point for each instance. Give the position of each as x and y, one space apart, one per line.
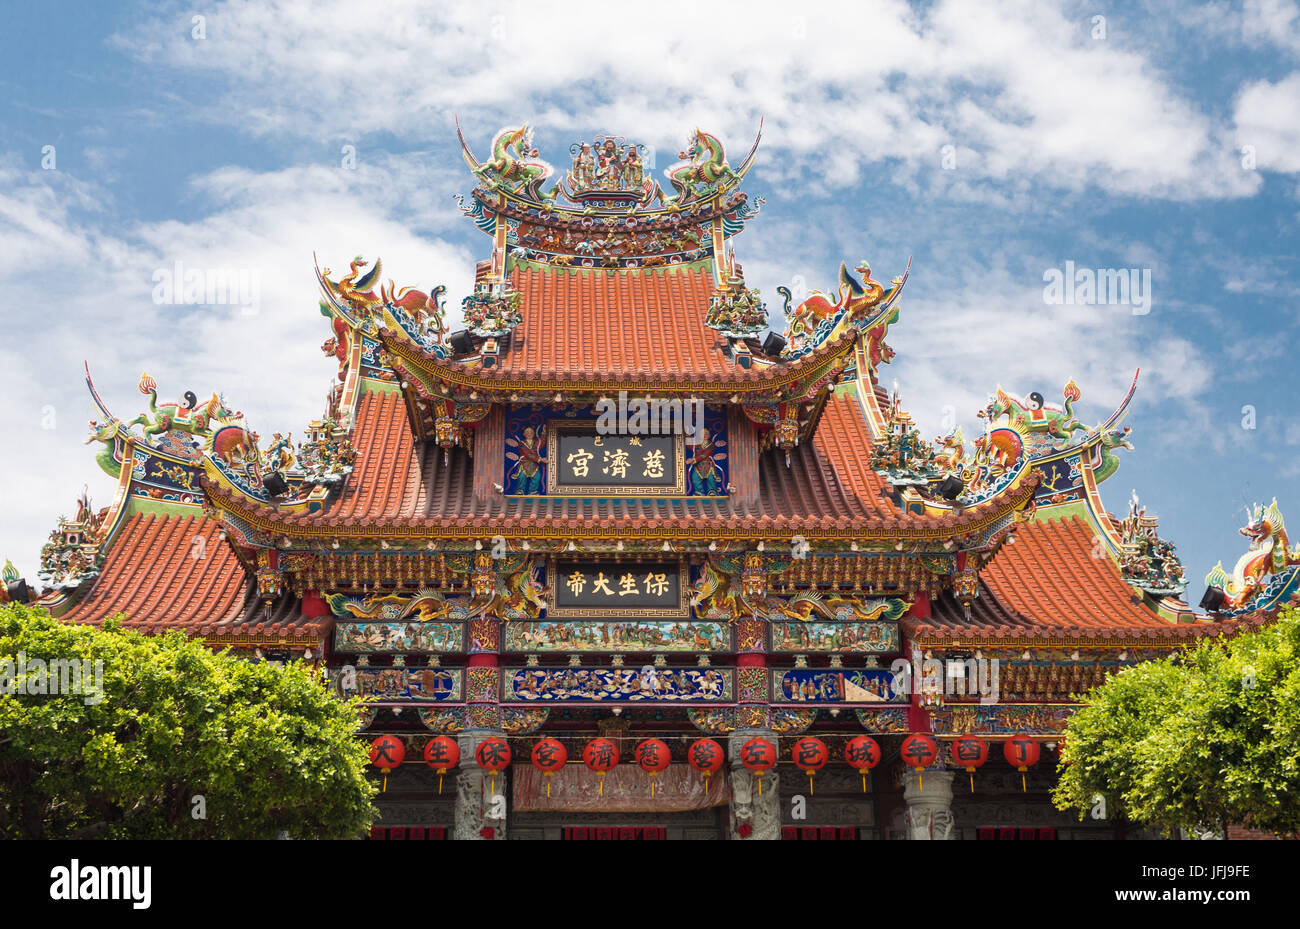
313 605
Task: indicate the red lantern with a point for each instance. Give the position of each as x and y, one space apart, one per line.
862 753
1022 752
758 755
442 754
600 755
386 753
919 752
493 755
706 756
809 755
970 752
549 756
653 756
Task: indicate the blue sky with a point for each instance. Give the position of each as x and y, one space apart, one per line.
990 141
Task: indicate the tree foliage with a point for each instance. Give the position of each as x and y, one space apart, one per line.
1204 738
180 742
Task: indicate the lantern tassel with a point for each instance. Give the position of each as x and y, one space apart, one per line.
441 772
864 781
1023 788
548 784
652 786
384 789
810 784
760 783
920 778
602 783
972 782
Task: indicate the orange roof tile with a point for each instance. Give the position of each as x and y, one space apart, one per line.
1051 573
637 327
1048 584
151 575
614 322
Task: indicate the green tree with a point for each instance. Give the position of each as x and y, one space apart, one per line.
172 731
1208 737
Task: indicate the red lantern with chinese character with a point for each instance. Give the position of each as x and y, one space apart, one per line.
386 753
493 755
862 753
759 756
653 756
970 752
919 752
809 754
1022 752
550 756
706 756
600 756
442 754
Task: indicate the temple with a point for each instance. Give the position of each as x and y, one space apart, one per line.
623 499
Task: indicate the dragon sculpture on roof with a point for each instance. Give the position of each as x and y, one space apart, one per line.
1268 555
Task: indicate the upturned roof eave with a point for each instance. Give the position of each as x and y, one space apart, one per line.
820 527
743 381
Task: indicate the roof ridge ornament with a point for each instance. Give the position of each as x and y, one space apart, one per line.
1147 561
609 174
493 309
737 311
1265 571
820 318
74 553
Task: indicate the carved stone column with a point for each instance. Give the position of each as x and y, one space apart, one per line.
929 805
761 814
480 809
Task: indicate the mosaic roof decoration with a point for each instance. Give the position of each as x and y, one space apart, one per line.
417 538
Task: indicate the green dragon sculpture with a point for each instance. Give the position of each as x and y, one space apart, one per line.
106 432
704 166
516 167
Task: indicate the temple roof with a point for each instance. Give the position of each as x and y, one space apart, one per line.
589 328
170 571
1048 585
827 486
615 324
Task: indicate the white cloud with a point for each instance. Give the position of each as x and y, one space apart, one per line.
1018 86
266 364
1267 118
1273 21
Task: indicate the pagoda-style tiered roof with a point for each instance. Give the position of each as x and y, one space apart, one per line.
600 284
639 328
399 488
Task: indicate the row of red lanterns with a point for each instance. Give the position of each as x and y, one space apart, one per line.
758 755
1021 752
653 756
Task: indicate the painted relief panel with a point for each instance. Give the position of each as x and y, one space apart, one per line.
615 636
399 637
874 637
805 685
618 685
420 685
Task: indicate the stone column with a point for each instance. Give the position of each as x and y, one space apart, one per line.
476 810
761 814
929 804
